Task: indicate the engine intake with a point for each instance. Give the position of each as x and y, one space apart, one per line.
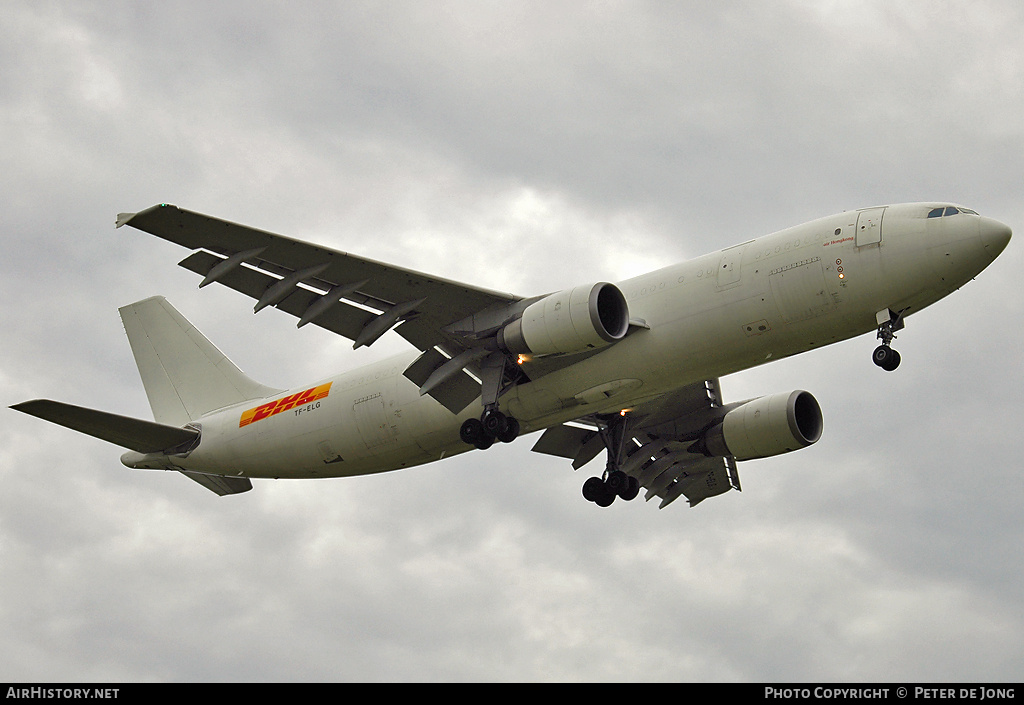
765 426
570 321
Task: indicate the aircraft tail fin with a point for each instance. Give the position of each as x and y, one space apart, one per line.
184 374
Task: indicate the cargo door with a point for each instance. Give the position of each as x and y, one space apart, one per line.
372 421
799 290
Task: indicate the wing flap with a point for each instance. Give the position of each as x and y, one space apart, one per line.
455 391
563 441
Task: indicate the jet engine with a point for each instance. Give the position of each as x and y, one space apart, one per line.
765 426
571 321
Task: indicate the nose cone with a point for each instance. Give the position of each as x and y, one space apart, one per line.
995 236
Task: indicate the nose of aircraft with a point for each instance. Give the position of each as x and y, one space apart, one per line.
995 236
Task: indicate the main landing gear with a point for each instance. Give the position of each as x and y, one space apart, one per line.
497 374
490 427
603 490
615 483
884 356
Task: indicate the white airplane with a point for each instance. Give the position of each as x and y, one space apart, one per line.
629 369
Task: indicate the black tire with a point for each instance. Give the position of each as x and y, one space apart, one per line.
593 489
471 431
511 431
617 482
632 490
883 356
606 498
495 423
894 362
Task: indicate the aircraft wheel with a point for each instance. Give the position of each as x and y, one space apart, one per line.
632 490
495 423
605 500
617 482
592 489
886 358
596 490
471 431
511 431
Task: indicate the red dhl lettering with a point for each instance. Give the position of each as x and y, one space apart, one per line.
284 404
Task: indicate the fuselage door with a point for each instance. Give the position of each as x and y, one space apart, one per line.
372 421
729 267
869 226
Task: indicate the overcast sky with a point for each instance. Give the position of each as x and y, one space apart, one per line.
524 147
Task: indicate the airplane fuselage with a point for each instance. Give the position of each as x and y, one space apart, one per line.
763 300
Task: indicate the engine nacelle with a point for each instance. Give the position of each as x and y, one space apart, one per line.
570 321
766 426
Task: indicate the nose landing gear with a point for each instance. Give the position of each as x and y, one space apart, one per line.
888 322
886 358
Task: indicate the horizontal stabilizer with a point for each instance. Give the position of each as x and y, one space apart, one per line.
125 431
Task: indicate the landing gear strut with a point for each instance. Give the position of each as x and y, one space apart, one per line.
884 356
603 490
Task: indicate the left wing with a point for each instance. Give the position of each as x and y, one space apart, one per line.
309 281
355 297
651 442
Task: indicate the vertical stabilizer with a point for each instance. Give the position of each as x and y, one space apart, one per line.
185 375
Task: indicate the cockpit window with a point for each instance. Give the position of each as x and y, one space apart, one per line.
949 210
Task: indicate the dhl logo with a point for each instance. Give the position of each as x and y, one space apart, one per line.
284 404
